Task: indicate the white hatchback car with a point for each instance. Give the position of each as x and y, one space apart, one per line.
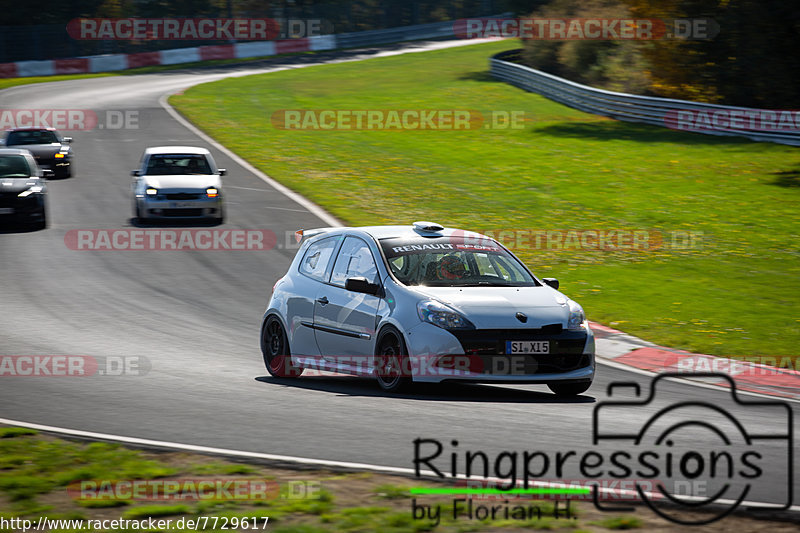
423 303
177 182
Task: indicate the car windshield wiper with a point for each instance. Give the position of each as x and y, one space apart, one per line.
486 284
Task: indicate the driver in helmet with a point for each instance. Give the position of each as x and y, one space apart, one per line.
452 267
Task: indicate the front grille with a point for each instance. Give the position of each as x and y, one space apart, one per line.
13 200
183 196
493 341
181 213
8 199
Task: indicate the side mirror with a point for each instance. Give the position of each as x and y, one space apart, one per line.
47 173
135 173
222 171
553 282
360 284
67 139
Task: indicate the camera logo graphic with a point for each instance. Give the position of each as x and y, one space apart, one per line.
708 456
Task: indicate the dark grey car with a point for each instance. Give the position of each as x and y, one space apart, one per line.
23 188
51 150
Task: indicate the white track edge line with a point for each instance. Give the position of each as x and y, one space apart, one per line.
307 461
313 208
688 381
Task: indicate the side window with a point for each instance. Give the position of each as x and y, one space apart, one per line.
354 260
316 259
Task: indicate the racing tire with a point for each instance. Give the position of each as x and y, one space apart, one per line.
392 370
275 348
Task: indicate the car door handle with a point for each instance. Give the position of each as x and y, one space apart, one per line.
323 300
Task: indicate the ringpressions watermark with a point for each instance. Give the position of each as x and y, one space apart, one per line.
657 457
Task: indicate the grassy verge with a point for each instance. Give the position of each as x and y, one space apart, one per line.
733 290
36 472
5 83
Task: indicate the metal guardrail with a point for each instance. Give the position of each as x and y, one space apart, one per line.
647 109
434 30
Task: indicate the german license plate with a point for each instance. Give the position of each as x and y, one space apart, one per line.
6 210
522 347
182 204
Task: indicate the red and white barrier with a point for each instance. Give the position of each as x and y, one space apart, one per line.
107 63
257 49
322 42
112 62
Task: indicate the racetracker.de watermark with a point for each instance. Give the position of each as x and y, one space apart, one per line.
441 365
745 366
199 489
396 119
194 29
170 239
604 240
758 120
71 119
73 366
591 29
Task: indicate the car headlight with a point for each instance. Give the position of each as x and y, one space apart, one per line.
33 190
438 314
212 192
151 191
576 316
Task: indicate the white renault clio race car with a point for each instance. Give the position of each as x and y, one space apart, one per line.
423 303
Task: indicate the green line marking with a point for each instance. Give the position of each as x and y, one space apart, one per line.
425 490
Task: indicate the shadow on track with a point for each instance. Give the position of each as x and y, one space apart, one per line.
19 227
175 223
445 392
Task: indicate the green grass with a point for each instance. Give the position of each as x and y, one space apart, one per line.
5 83
736 294
145 511
31 466
216 468
8 433
392 492
621 522
345 502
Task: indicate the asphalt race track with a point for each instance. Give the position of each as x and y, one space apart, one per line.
194 317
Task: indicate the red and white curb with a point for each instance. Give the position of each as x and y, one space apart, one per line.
630 351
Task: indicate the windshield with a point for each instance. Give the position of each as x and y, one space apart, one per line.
165 164
14 166
17 138
454 262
